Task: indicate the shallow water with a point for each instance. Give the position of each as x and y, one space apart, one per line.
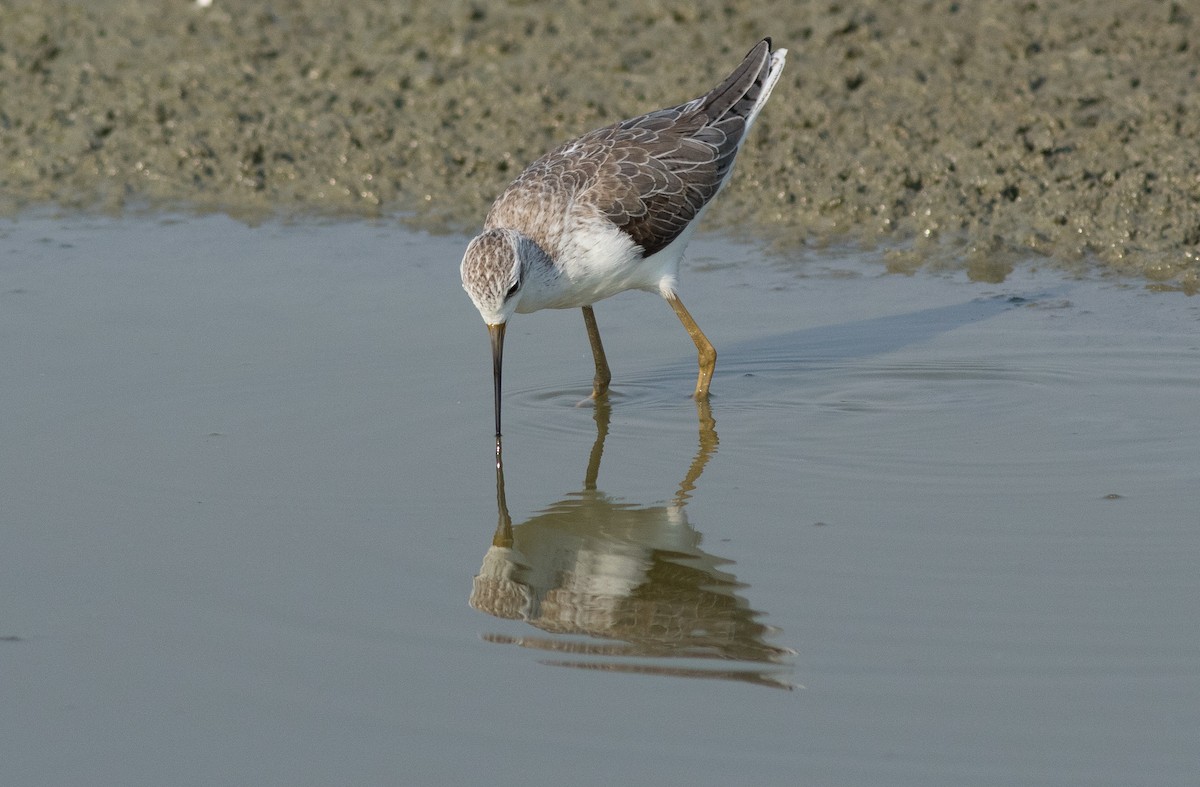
250 522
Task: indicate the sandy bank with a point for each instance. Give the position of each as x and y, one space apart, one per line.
982 132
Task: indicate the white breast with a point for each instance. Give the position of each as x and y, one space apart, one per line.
597 262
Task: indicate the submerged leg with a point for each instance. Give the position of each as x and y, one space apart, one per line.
603 375
707 356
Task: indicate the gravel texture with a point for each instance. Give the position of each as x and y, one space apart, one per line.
951 133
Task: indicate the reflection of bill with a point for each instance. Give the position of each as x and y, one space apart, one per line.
632 579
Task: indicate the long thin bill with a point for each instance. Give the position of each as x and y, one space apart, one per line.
496 332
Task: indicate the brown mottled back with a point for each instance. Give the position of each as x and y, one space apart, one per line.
650 175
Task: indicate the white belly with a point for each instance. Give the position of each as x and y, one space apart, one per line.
598 262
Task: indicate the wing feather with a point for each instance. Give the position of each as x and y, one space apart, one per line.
650 175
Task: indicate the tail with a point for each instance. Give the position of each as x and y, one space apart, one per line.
744 92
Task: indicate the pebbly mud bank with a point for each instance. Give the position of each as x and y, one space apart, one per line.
954 133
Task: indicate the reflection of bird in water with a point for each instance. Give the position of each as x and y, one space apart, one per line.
633 578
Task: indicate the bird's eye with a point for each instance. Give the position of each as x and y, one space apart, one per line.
516 285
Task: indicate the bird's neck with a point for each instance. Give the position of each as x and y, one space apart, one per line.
542 278
533 257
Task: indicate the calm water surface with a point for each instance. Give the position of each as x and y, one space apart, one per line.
929 532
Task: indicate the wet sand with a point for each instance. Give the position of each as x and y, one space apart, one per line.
954 133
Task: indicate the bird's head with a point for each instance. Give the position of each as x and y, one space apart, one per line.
493 274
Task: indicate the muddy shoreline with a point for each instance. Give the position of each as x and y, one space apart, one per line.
956 133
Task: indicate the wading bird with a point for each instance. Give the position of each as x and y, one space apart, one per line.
612 211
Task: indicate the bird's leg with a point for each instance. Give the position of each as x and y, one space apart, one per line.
603 375
706 355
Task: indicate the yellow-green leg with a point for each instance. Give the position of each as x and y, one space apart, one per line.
603 375
706 355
